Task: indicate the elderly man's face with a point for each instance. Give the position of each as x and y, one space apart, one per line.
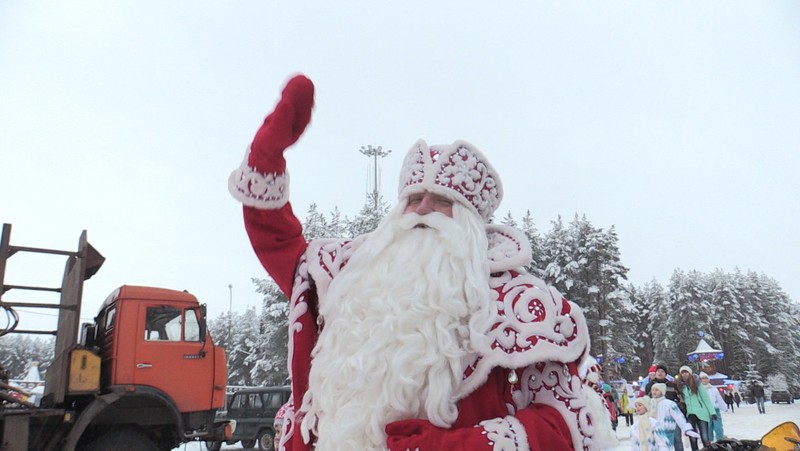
427 202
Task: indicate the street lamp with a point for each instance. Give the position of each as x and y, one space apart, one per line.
374 152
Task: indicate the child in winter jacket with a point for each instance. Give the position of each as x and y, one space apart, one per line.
669 416
715 431
646 432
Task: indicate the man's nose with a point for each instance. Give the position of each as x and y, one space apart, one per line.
425 205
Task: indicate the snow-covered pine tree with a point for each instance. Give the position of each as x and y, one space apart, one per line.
599 275
509 220
369 217
268 361
557 258
236 332
18 351
757 326
686 316
783 328
727 321
337 227
536 267
645 303
315 225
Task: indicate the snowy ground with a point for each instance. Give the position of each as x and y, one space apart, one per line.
744 423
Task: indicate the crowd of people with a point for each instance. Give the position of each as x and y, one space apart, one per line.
660 408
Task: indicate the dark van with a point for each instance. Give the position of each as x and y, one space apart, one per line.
252 411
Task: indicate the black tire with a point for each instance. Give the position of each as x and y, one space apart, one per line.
213 445
250 443
127 439
266 440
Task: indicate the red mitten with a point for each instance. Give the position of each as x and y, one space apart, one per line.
413 434
283 126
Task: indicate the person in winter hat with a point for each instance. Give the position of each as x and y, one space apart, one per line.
651 373
646 432
662 377
671 393
611 405
277 424
670 417
699 410
426 333
715 430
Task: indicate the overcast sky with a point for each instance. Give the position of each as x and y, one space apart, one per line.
676 122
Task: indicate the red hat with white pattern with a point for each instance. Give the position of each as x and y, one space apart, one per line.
280 415
458 171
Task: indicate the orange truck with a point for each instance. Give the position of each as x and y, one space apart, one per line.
144 375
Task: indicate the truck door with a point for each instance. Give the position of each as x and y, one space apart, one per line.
171 357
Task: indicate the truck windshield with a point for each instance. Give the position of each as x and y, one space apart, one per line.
172 324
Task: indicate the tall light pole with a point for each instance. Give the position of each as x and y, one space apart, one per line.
374 152
230 312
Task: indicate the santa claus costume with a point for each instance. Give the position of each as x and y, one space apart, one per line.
427 333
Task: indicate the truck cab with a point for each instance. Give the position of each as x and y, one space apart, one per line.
156 355
145 375
156 338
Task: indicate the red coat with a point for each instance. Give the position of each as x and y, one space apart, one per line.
526 393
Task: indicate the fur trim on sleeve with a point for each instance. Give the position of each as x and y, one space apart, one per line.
264 190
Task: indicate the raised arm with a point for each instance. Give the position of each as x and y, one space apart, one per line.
261 183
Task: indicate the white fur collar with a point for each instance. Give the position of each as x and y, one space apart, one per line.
508 248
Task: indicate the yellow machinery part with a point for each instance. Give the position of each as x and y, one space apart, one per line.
84 372
783 437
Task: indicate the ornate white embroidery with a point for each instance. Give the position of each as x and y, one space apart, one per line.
554 384
537 332
298 305
268 191
508 248
459 167
506 434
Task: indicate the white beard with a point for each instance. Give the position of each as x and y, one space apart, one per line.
400 322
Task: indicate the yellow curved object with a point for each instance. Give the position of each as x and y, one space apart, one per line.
783 437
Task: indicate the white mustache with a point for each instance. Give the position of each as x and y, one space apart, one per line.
433 220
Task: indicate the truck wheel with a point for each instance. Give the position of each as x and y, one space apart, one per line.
127 439
213 445
266 440
249 443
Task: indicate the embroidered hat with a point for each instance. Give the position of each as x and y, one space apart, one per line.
458 171
280 415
